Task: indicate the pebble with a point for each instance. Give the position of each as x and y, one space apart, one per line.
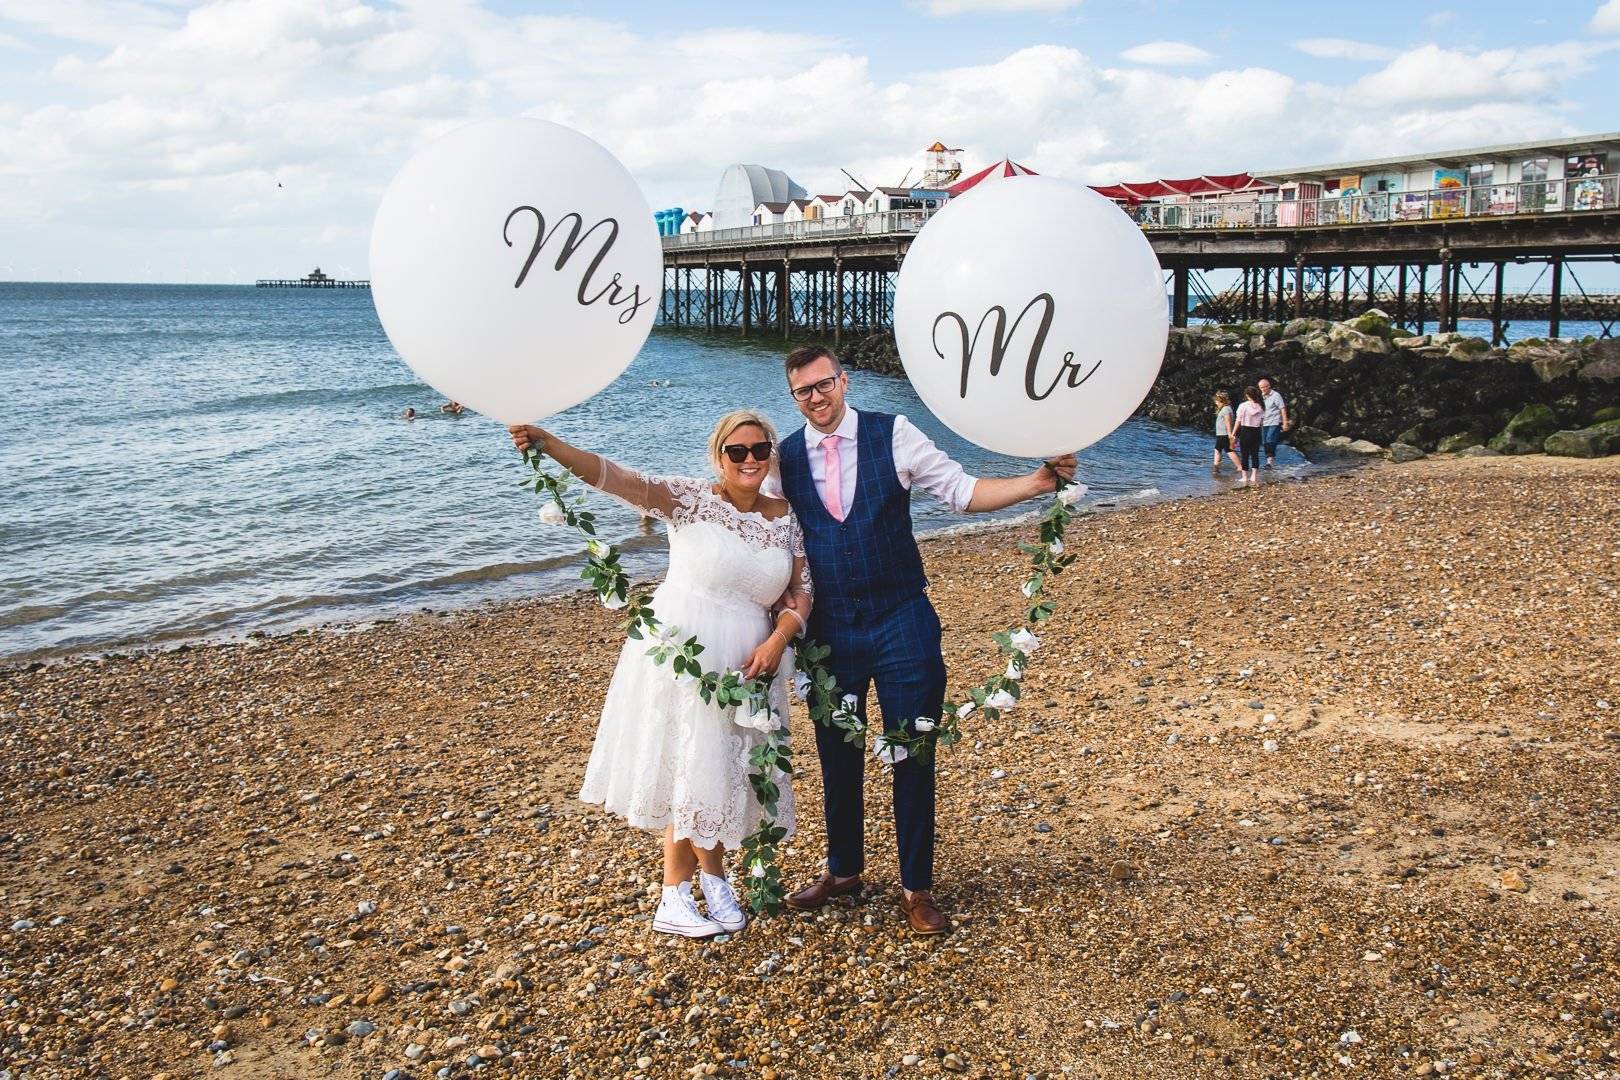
361 1028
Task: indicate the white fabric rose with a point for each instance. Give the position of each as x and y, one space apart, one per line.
1025 641
1072 494
1000 700
889 753
1014 672
965 710
551 514
1055 547
1028 588
759 719
756 869
801 686
597 548
923 724
613 601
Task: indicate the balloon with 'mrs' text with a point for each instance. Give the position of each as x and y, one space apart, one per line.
516 267
1030 315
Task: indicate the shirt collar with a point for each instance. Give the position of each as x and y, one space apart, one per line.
845 430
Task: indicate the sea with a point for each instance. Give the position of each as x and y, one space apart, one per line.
186 462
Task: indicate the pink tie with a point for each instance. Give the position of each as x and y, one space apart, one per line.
832 476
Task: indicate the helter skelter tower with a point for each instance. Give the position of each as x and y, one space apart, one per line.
943 166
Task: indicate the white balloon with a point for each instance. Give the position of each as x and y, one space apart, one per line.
1030 315
516 267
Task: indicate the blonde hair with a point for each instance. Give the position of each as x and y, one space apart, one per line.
731 422
1222 398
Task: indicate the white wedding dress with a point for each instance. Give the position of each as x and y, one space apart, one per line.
662 756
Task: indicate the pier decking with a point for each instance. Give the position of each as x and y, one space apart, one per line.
1424 256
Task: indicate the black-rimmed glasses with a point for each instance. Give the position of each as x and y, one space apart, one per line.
824 387
739 452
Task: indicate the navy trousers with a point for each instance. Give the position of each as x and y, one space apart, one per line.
899 651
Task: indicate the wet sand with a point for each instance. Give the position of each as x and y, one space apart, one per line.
1314 776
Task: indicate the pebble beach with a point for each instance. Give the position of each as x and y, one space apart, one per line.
1318 778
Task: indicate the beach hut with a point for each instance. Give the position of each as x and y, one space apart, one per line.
796 210
853 202
823 206
769 213
694 222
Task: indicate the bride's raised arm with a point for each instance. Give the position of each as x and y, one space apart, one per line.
647 493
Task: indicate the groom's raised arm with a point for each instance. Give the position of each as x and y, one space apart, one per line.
922 464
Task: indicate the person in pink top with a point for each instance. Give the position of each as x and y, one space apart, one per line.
1250 415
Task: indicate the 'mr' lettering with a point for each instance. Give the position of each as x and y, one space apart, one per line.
1001 336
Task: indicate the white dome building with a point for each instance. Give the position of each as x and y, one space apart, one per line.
744 187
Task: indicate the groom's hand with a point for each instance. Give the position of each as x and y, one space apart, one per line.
1047 475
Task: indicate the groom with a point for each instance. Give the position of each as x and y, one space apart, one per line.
848 476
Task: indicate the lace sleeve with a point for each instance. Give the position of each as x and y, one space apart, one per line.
667 498
801 590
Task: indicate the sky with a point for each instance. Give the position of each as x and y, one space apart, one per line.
219 141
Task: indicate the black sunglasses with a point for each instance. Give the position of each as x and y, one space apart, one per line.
824 387
738 452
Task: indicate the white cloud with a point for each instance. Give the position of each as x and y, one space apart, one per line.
1345 49
1606 19
964 7
1168 54
178 132
1431 75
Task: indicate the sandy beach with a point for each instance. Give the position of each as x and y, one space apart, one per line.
1315 779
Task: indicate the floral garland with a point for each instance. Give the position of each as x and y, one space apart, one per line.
772 760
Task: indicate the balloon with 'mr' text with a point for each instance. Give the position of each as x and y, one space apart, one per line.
1030 315
516 267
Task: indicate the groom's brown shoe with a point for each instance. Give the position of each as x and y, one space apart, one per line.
824 889
923 913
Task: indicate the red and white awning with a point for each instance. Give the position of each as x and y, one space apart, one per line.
999 171
1196 185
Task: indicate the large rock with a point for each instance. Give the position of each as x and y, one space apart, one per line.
1550 360
1346 343
1602 361
1400 453
1605 414
1599 441
1526 432
1372 321
1479 451
1300 327
1462 440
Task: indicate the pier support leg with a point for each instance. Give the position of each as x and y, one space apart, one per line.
1265 293
1178 301
1400 295
747 299
1372 287
1444 306
1299 286
1498 334
838 299
784 297
1423 295
1344 293
1555 303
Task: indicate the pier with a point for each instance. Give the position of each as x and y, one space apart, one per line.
313 280
1430 257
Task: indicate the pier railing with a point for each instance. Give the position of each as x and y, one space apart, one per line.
1232 212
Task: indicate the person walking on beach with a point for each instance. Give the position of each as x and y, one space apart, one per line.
664 759
1250 415
1274 422
848 476
1225 431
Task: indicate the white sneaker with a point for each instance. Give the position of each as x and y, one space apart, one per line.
721 901
678 914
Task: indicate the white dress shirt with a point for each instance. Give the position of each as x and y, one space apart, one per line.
917 463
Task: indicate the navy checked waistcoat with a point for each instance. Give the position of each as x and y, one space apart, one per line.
868 563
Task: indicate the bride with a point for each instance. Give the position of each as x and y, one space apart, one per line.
663 759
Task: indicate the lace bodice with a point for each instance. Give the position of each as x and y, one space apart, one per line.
717 550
